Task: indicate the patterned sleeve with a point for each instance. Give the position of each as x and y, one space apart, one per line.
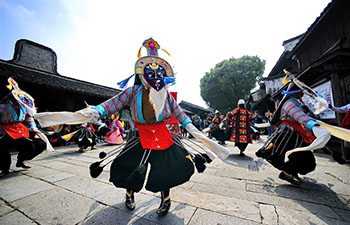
176 110
295 112
2 113
234 112
115 103
228 118
343 109
97 123
121 128
250 119
29 120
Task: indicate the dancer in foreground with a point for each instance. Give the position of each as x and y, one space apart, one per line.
17 129
289 148
151 105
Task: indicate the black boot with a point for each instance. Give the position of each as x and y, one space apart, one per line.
290 178
241 153
130 200
165 203
21 164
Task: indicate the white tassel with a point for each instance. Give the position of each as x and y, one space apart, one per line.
321 105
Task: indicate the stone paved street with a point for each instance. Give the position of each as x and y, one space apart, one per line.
244 190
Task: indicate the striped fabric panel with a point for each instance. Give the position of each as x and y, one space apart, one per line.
284 141
128 96
166 113
228 118
29 120
116 103
292 112
176 109
5 115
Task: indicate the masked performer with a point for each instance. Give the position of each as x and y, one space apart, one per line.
17 129
240 121
114 136
151 105
295 130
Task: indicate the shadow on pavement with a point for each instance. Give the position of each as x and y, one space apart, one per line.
241 161
118 214
12 174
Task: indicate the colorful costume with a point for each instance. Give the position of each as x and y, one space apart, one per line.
295 130
88 137
15 119
215 130
151 105
166 158
114 136
240 121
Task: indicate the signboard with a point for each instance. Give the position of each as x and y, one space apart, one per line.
325 90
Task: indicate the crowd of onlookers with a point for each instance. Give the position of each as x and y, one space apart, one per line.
212 122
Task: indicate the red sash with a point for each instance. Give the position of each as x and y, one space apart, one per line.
306 135
16 130
346 121
154 136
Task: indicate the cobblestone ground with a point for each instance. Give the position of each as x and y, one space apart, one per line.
242 190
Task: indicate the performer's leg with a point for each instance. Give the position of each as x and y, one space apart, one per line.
93 143
26 151
242 147
5 156
301 162
93 147
165 203
130 200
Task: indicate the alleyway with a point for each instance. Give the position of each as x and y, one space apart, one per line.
243 190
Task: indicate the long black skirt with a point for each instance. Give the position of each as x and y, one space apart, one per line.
283 140
169 167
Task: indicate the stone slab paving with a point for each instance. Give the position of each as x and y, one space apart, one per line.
15 217
242 190
5 209
57 206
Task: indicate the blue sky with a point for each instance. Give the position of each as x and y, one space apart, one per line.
98 40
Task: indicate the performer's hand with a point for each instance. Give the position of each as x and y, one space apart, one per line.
219 150
102 125
34 129
221 125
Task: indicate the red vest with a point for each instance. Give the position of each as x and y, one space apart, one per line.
154 136
16 130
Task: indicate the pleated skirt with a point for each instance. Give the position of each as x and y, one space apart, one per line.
168 168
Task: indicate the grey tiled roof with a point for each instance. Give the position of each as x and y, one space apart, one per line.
23 74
